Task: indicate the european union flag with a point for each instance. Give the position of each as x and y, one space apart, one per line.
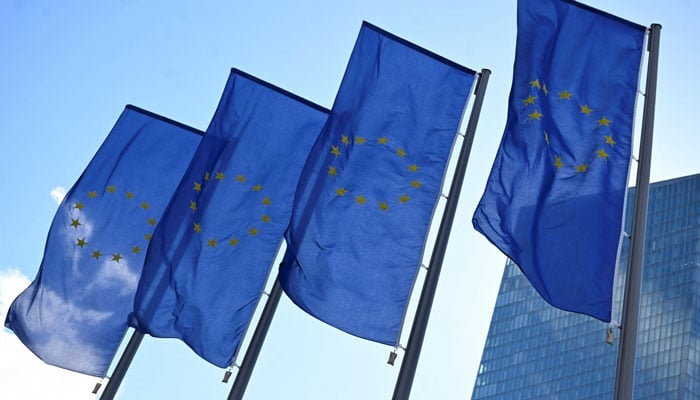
555 197
211 255
370 186
75 313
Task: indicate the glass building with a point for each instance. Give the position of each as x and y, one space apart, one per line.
535 351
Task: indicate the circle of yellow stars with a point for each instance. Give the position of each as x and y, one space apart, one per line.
77 220
233 239
538 89
383 205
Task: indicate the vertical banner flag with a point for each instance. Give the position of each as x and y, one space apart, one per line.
554 200
74 315
211 255
369 188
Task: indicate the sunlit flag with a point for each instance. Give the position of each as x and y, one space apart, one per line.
75 313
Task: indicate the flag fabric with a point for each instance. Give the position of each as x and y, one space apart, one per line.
369 188
211 255
554 200
74 315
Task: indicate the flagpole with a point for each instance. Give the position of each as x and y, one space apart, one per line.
251 355
122 366
624 379
420 321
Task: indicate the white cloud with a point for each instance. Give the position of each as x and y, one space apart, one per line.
12 282
22 374
58 193
65 322
66 319
115 275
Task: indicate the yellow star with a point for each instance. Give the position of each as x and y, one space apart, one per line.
544 89
111 189
582 168
602 154
75 223
265 218
558 163
233 242
604 121
240 178
145 205
220 176
148 236
413 168
530 100
345 140
401 153
335 150
96 254
266 201
197 227
252 231
257 188
383 140
609 140
79 205
383 206
212 242
136 249
585 109
416 184
565 95
360 200
206 176
81 242
129 195
92 194
197 187
116 257
546 138
404 199
340 192
151 221
360 140
193 205
535 115
535 84
332 172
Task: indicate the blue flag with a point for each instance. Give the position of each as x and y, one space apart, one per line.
369 188
74 315
211 255
555 197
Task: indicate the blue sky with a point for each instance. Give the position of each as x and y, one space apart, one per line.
67 69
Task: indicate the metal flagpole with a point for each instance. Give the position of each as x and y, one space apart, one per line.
624 380
122 366
251 355
420 321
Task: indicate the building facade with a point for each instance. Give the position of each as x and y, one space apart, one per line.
535 351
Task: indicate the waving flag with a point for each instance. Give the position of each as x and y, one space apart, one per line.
555 198
211 255
75 313
368 190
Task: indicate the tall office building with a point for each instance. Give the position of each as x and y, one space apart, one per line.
535 351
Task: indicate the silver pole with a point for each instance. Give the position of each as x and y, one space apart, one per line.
624 379
122 366
420 321
251 355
